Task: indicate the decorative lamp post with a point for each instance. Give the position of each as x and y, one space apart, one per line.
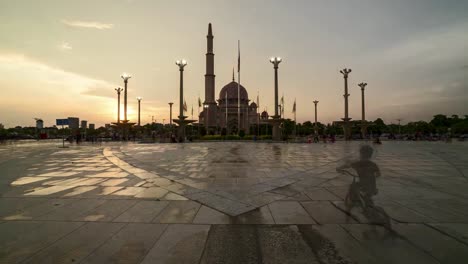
346 119
206 107
181 121
118 89
125 77
363 119
315 126
139 109
276 118
181 64
170 115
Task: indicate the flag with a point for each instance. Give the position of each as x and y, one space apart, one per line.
192 109
185 106
294 106
238 56
199 102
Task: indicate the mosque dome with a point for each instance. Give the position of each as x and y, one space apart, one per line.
231 90
264 115
253 105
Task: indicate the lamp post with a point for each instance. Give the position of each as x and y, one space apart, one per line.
170 115
206 107
363 119
181 63
139 109
276 118
315 125
118 89
347 130
125 77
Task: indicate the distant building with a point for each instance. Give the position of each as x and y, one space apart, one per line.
84 124
73 122
107 126
39 123
92 126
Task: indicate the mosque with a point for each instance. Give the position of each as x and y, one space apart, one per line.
223 113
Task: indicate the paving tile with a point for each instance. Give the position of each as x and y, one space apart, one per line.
457 231
153 193
13 206
107 211
260 215
72 211
33 212
142 212
20 240
289 212
179 244
178 212
208 215
444 248
283 244
77 245
388 247
333 244
320 194
129 245
241 240
129 191
324 212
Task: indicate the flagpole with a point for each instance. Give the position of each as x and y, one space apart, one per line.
258 114
238 88
198 132
226 112
295 123
191 125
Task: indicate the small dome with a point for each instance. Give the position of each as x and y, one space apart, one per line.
253 105
231 90
264 114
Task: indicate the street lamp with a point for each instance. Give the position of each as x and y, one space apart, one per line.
276 61
181 63
205 106
139 109
315 126
346 119
363 120
170 115
125 77
118 89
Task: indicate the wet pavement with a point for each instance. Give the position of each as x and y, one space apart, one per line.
229 202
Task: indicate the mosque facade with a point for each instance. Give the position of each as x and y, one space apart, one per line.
223 113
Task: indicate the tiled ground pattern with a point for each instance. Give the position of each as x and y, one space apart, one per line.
228 203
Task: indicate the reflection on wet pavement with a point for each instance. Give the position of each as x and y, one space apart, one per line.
267 203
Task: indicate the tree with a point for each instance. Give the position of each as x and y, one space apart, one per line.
440 122
378 126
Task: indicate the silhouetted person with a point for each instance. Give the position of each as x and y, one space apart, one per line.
367 172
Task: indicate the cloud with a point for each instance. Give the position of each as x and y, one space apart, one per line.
19 66
439 45
65 46
87 24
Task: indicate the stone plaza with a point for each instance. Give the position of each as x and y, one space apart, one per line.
229 202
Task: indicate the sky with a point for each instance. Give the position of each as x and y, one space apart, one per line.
61 58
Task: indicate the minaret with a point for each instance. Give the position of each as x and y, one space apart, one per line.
210 107
209 76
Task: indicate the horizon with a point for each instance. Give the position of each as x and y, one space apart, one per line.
66 61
